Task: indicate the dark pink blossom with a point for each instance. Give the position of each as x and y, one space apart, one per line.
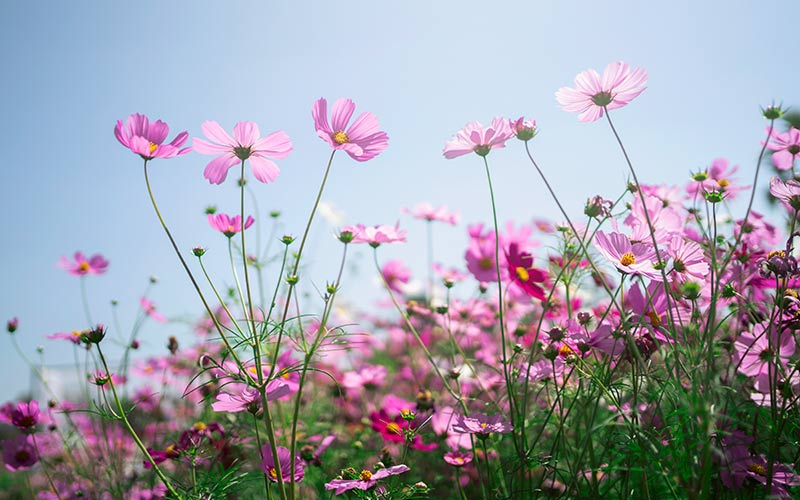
522 272
20 453
25 416
457 458
268 465
147 139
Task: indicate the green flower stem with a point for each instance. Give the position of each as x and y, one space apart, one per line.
307 361
211 314
124 418
282 325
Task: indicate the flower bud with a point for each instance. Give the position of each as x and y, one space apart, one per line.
198 251
772 112
93 336
292 279
287 239
12 325
211 210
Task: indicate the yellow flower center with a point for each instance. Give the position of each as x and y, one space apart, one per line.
484 425
285 376
776 253
199 426
522 274
252 370
627 259
230 229
77 333
655 319
757 469
393 428
723 183
565 350
84 267
273 473
485 263
153 147
459 460
340 138
366 475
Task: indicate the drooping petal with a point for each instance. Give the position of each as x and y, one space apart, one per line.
217 169
264 170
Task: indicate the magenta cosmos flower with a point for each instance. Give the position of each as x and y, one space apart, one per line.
20 453
147 139
362 140
365 479
246 144
522 272
785 147
592 93
95 264
475 138
228 225
25 415
285 461
457 458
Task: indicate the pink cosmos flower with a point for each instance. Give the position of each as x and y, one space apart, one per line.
522 272
246 144
786 147
285 461
457 458
592 93
787 192
362 140
73 336
688 259
478 423
149 308
25 415
754 355
365 480
376 235
95 264
475 138
146 139
426 212
524 129
20 453
396 275
228 225
630 258
718 177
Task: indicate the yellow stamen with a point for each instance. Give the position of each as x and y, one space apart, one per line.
230 229
522 274
484 425
153 147
485 263
758 469
77 333
655 319
273 473
199 426
366 475
393 428
776 253
627 259
565 350
459 460
340 138
84 267
723 183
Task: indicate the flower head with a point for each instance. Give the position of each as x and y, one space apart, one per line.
481 424
149 308
457 458
228 225
285 461
630 258
426 211
95 264
147 139
246 144
20 453
592 93
475 138
376 235
361 140
788 192
525 130
785 147
522 272
25 415
365 480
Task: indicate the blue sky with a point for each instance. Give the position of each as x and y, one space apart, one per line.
71 69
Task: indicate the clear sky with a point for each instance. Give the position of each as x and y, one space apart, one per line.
71 69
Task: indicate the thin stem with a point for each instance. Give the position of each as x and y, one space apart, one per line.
124 418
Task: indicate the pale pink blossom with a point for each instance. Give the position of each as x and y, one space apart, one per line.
246 144
593 93
475 138
362 139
